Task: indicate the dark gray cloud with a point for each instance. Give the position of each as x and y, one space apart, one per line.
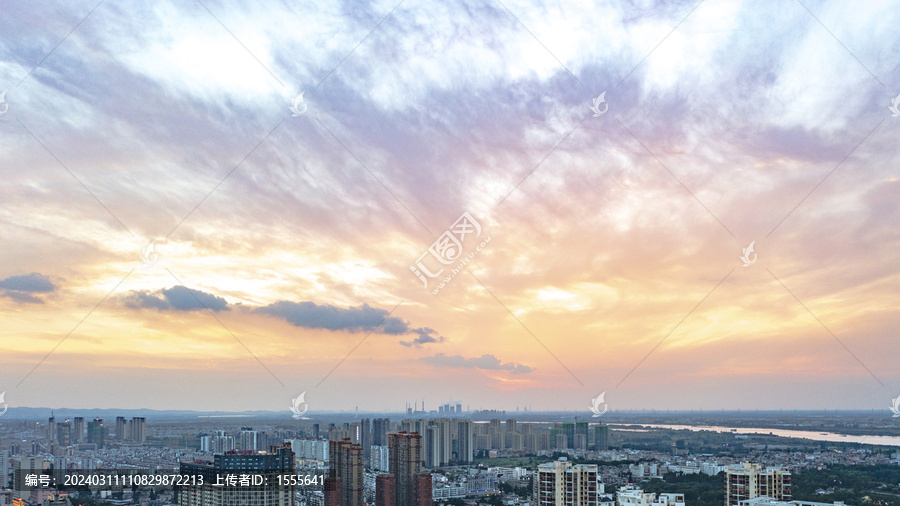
426 335
31 283
21 288
362 318
485 362
352 319
176 298
22 297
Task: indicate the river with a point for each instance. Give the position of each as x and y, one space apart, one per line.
803 434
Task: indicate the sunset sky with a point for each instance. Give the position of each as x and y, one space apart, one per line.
282 241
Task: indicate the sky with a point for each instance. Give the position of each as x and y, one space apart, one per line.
678 205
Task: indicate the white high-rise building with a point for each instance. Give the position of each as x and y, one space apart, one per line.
310 449
248 440
631 495
380 458
223 444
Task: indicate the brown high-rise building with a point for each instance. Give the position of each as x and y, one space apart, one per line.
346 463
405 450
561 482
385 490
334 492
752 480
422 489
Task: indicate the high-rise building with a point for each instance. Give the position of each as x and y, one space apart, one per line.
64 433
438 443
96 432
78 429
380 459
223 444
752 480
572 428
138 432
465 436
310 449
385 490
562 442
413 425
355 430
121 426
497 441
601 437
338 434
543 441
580 442
51 427
482 442
4 468
515 442
24 466
249 439
406 462
334 492
366 438
445 439
271 464
345 461
560 483
431 450
568 428
580 428
530 442
422 490
380 429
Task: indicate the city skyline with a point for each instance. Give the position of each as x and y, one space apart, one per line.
673 206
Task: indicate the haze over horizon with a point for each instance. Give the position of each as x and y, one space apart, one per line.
175 236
